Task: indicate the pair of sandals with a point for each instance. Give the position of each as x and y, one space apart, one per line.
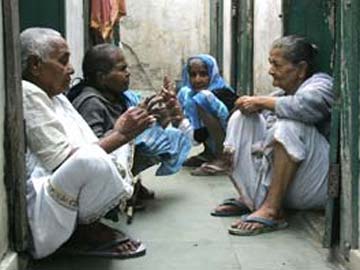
240 209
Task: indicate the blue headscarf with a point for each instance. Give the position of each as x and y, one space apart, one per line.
216 81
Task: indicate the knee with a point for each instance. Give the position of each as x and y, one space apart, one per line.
292 135
89 157
238 117
287 126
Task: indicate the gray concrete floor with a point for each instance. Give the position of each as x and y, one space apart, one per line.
180 234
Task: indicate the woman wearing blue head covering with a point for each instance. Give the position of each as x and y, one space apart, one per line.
206 100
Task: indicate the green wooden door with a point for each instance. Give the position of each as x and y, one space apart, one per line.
44 13
349 82
313 19
316 19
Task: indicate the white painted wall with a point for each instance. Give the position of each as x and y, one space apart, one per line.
227 41
74 32
158 36
267 27
3 205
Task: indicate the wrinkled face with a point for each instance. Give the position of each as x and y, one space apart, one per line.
118 79
286 75
199 76
54 74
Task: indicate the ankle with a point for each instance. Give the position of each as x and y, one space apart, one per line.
271 211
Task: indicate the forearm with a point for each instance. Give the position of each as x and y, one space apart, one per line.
113 140
266 103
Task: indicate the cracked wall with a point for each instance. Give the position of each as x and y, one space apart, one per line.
158 37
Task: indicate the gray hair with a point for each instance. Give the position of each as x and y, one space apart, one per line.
296 49
37 41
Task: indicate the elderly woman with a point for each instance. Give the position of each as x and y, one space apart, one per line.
206 100
73 179
276 146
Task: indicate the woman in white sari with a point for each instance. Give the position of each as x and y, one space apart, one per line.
276 147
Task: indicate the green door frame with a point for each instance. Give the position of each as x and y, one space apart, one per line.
332 214
243 47
216 31
349 65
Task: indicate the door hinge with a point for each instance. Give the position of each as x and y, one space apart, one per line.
334 180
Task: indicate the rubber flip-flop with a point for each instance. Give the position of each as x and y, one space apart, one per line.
239 209
107 249
194 162
268 226
208 170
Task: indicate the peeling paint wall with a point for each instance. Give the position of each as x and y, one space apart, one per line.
267 27
74 22
158 36
3 205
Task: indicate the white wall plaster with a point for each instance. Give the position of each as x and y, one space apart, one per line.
158 37
267 27
75 33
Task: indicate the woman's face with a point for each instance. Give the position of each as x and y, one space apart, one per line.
199 76
118 79
286 75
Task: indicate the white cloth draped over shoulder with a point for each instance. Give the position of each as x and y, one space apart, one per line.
301 124
63 191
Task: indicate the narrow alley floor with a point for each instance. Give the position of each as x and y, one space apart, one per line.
180 234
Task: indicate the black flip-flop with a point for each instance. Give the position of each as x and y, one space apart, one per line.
106 249
241 209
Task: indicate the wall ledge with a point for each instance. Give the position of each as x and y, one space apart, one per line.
10 262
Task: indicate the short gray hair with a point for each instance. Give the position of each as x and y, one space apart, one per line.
296 49
37 41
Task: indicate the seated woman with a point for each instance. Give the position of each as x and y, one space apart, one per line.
73 178
206 101
277 146
103 96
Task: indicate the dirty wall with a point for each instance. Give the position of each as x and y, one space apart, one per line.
158 36
3 205
267 28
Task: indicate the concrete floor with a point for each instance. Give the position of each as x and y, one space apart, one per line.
180 234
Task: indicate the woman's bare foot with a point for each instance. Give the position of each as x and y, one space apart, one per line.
263 213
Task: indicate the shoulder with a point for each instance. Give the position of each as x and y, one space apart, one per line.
33 93
89 97
318 81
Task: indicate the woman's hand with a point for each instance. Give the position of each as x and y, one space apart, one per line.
247 104
133 122
254 104
173 106
130 124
